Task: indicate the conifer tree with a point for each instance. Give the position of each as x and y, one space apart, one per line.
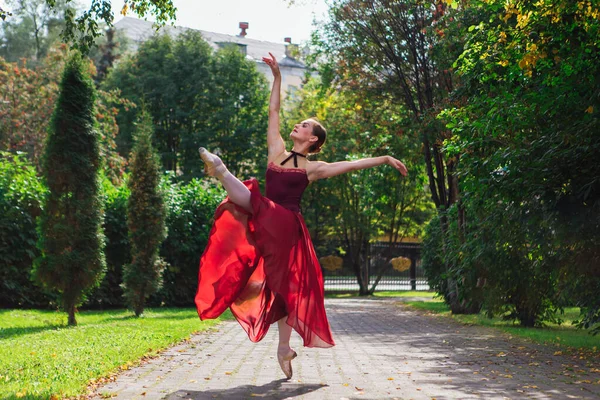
71 238
146 214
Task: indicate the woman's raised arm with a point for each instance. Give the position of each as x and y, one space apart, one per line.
275 143
322 170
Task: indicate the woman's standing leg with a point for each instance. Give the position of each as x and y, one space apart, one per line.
285 333
236 190
285 354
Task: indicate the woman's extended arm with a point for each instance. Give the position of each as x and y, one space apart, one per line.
322 170
275 143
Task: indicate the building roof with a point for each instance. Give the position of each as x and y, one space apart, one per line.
139 30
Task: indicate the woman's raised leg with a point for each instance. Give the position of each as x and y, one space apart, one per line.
236 190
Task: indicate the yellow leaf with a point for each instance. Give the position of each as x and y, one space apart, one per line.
390 379
557 353
590 109
523 63
124 9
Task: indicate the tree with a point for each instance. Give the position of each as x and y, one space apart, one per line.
525 123
32 31
238 116
383 46
108 50
356 208
172 76
71 238
195 97
27 100
82 30
146 215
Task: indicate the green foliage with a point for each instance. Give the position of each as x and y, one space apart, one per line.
32 30
196 97
524 124
191 208
27 101
21 195
71 239
146 215
238 118
447 265
82 29
117 250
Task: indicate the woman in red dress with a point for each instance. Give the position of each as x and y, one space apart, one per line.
259 260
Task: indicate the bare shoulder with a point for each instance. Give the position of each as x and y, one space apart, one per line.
275 154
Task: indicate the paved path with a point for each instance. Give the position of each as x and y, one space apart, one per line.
384 351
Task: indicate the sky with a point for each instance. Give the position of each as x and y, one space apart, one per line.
269 20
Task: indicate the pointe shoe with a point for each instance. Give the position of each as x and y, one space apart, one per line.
213 165
285 362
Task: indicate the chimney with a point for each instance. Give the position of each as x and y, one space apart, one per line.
243 27
290 49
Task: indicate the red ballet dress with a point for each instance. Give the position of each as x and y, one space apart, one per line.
263 265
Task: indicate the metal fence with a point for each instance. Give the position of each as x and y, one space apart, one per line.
379 270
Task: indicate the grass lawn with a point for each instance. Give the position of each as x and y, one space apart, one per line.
41 357
565 335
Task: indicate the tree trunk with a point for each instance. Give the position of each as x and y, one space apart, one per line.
139 309
71 310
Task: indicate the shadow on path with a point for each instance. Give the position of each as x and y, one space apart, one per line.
442 354
276 390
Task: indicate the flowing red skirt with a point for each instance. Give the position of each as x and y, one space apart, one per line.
263 267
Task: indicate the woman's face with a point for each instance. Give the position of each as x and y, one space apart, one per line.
302 130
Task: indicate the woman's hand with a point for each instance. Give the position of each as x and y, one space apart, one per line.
398 165
272 62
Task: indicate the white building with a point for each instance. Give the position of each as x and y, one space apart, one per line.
292 70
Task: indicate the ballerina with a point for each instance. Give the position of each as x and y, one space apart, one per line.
259 260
